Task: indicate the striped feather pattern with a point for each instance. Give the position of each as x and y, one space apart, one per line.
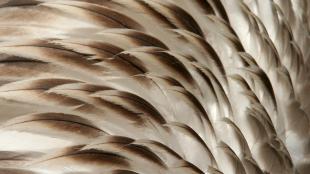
154 87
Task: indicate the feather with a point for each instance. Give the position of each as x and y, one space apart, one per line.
154 86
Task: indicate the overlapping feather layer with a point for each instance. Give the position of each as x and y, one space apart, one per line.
154 86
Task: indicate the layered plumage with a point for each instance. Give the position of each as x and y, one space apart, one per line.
154 87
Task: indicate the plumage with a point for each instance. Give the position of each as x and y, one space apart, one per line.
154 87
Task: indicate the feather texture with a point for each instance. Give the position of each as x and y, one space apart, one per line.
154 87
